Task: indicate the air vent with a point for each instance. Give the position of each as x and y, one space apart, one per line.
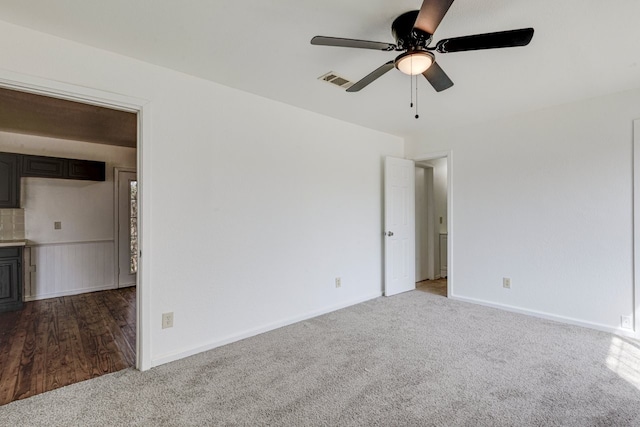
336 80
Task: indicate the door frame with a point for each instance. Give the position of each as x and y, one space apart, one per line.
448 154
116 216
56 89
635 183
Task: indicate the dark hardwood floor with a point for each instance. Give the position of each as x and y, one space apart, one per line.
60 341
437 286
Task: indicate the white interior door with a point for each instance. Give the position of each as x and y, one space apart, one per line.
127 228
399 222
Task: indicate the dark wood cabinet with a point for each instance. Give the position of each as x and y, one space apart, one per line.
9 181
13 166
43 167
85 169
10 278
54 167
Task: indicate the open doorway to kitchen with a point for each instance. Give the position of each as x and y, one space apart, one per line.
72 320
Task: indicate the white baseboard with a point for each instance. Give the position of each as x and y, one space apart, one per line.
549 316
68 293
256 331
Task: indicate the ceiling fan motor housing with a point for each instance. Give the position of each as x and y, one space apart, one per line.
407 37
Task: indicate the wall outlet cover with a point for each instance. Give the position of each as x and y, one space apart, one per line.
167 320
506 283
625 322
338 282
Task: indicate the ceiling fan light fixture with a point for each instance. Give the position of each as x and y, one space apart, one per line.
414 62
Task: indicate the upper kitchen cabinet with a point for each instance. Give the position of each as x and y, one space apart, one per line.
85 169
43 167
54 167
9 181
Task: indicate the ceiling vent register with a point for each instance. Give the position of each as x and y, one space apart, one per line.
336 80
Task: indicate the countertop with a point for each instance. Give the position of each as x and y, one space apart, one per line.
8 243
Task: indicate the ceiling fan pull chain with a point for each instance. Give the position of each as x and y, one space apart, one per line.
411 80
417 116
411 92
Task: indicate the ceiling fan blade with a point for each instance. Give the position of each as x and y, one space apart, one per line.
431 14
379 72
360 44
500 39
437 77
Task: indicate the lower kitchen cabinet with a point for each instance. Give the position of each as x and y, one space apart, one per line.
10 278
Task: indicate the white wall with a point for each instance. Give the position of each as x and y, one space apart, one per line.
255 206
80 256
546 199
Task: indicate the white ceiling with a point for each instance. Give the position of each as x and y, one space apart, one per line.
581 49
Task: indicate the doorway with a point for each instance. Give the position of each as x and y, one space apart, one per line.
98 325
142 108
432 231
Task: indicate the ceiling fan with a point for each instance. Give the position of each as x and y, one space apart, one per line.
413 32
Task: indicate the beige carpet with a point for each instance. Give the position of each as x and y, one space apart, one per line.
415 359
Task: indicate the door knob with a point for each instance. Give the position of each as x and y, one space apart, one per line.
390 233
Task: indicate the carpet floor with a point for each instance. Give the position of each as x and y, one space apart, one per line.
415 359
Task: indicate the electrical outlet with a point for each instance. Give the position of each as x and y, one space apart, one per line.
506 283
167 320
57 225
625 322
338 282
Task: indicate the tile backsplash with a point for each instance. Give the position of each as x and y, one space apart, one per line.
11 224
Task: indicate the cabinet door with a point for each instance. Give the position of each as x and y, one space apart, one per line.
42 167
9 181
86 169
10 284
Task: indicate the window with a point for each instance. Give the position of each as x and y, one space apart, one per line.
133 228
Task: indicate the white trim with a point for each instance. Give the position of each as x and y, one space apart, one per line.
636 226
61 90
27 83
448 154
33 244
68 293
259 330
143 290
547 316
116 216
